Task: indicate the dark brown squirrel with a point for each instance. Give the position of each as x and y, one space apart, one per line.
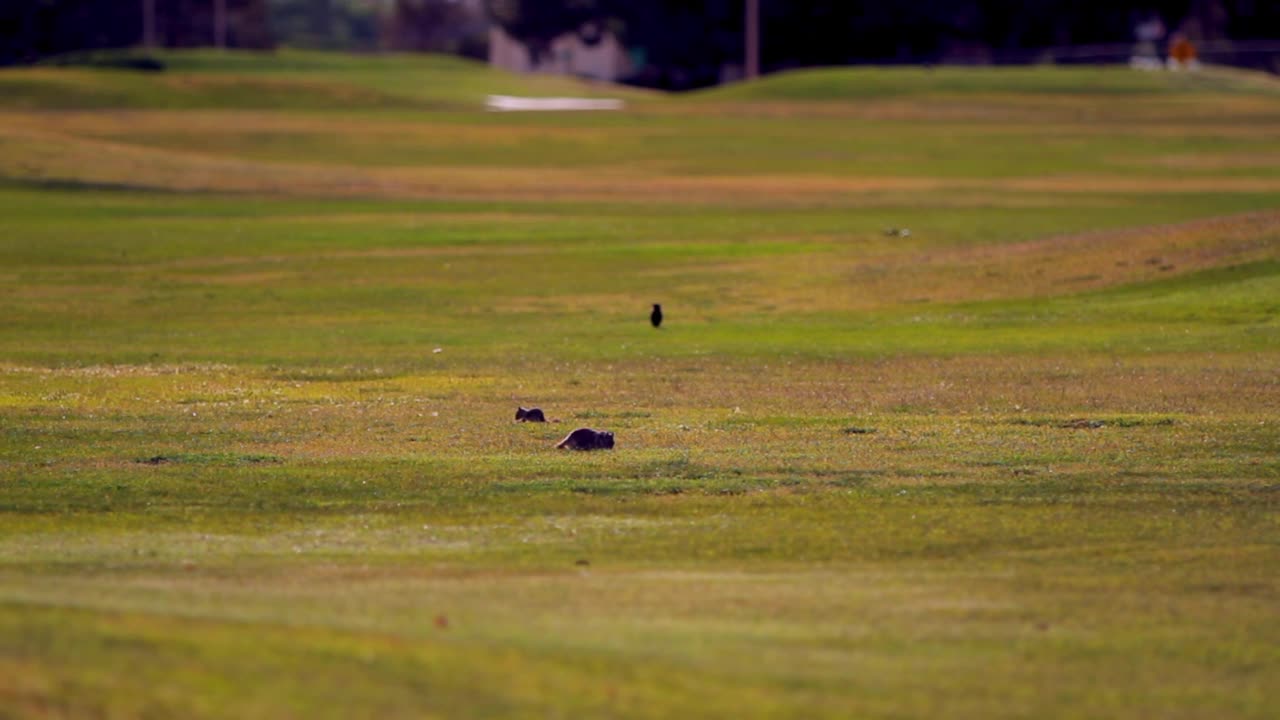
524 414
587 439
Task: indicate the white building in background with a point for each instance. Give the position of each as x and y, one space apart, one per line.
605 59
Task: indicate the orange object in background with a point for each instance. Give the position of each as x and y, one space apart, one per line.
1182 51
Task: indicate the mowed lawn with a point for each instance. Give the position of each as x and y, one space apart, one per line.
966 405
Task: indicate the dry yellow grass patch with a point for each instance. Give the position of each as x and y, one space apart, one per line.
1108 184
1216 161
766 416
872 275
1219 384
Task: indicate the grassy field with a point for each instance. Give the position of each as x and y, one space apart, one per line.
265 321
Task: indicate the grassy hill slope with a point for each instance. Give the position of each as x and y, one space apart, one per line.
853 84
286 79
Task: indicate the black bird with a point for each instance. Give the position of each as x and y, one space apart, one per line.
656 316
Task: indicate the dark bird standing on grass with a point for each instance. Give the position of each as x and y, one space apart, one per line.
655 317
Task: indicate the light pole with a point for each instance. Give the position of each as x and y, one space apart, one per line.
220 24
149 24
753 39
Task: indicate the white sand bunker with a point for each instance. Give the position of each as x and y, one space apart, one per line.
511 103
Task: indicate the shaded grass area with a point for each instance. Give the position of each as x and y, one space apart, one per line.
965 403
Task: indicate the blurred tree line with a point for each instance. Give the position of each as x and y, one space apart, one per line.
686 43
457 27
32 30
679 43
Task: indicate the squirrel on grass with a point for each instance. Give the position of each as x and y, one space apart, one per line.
587 439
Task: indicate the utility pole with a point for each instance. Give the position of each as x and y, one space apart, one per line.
149 24
321 21
220 24
753 39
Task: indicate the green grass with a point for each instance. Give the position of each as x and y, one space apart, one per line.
281 80
844 84
265 320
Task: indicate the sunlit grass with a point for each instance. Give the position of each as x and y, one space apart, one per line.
965 403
